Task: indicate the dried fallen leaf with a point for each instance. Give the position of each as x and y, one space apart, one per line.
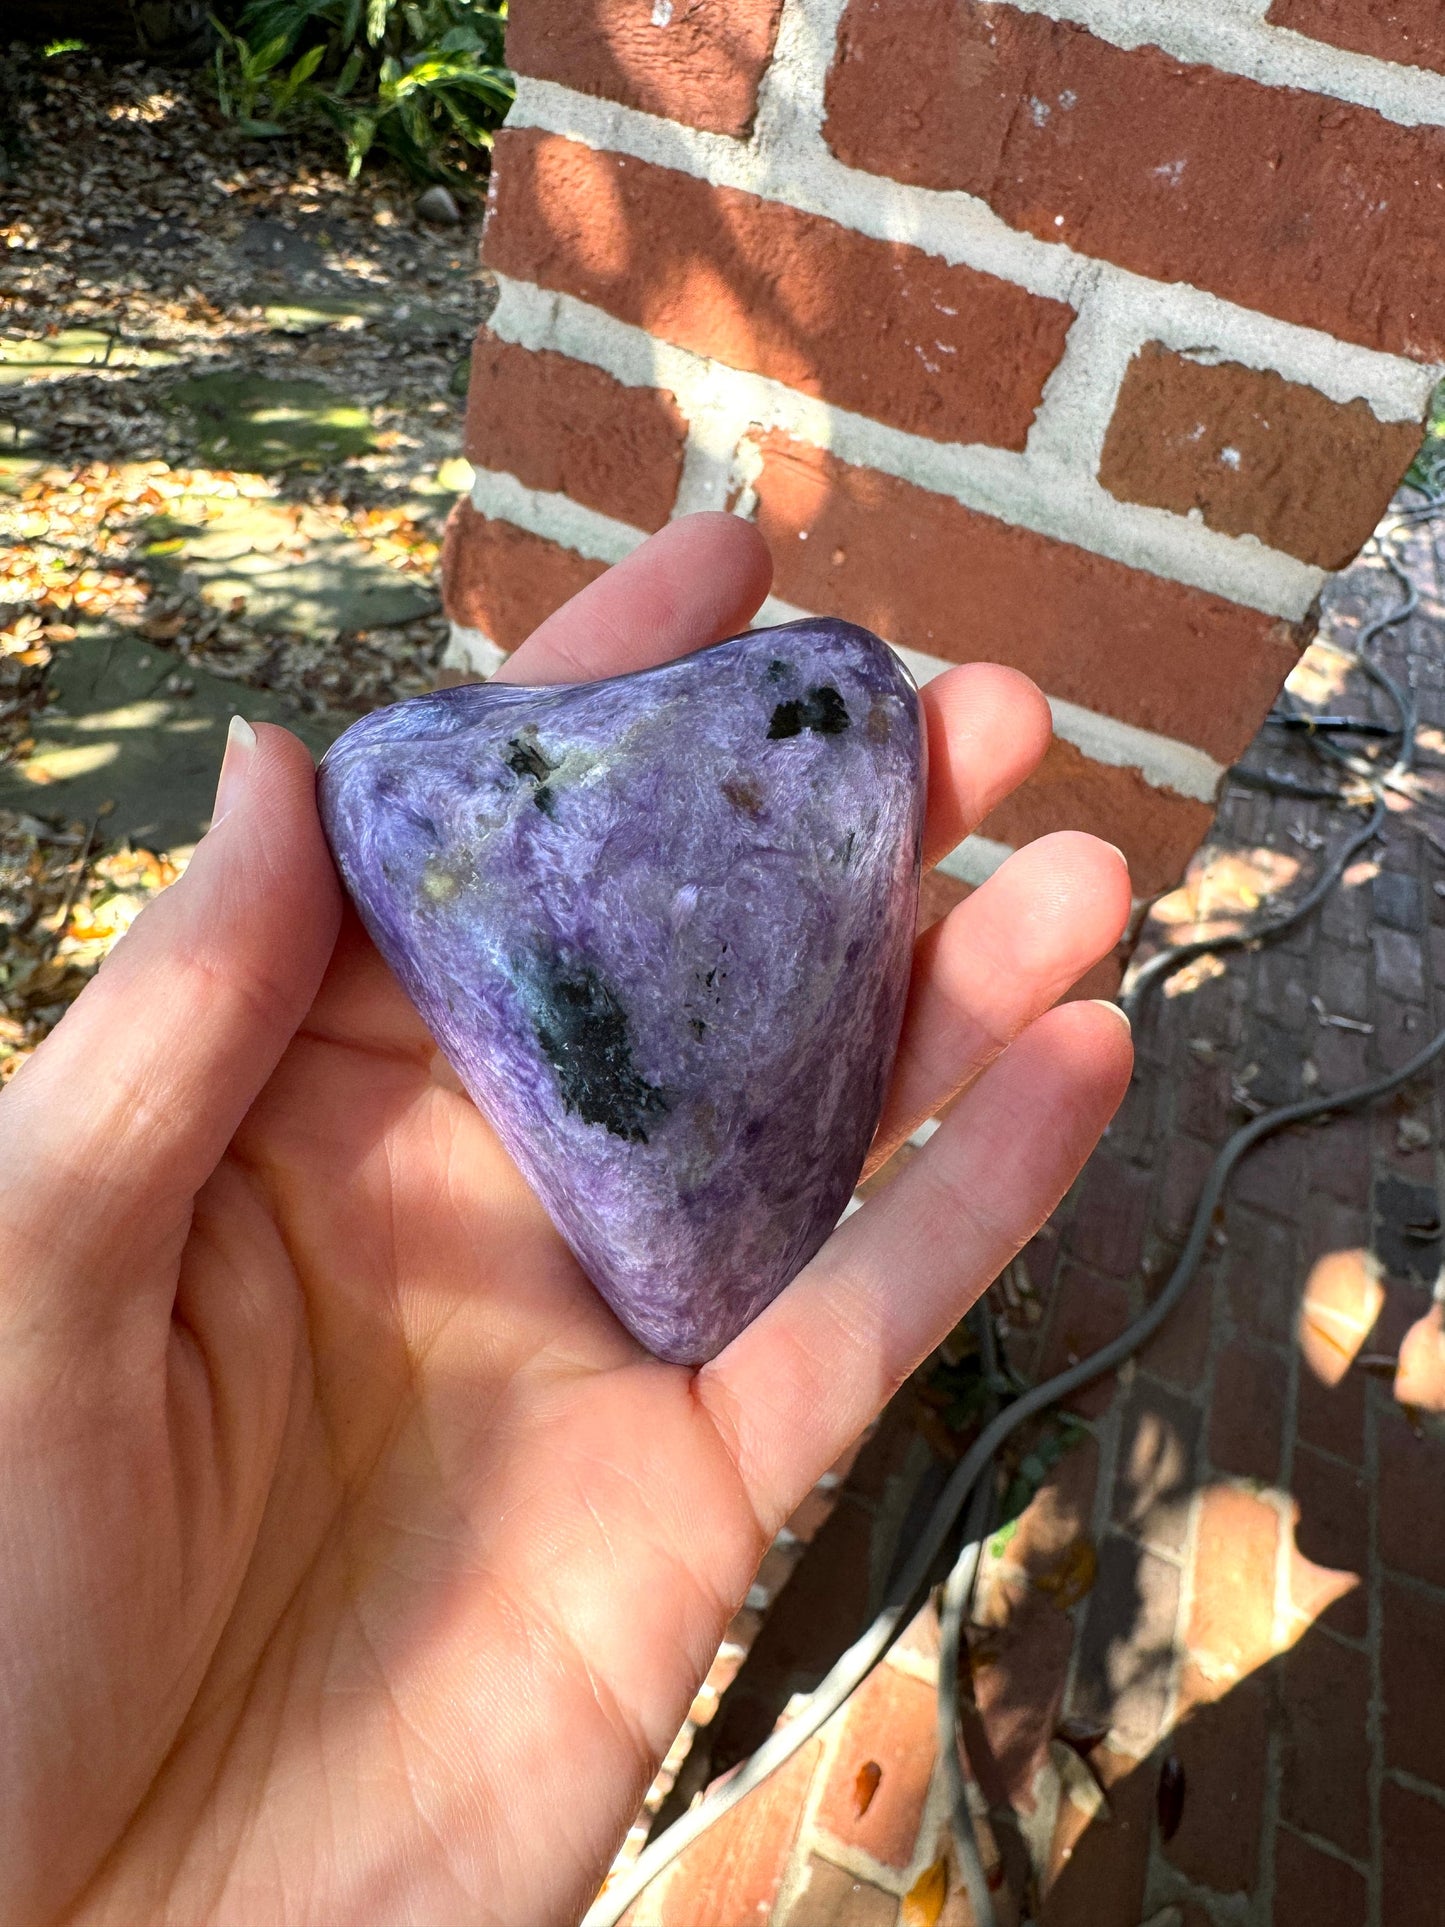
923 1902
865 1785
1412 1134
1072 1579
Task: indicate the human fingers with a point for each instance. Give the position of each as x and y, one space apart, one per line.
123 1113
794 1389
988 728
698 580
996 962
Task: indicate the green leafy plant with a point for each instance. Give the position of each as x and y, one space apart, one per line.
422 80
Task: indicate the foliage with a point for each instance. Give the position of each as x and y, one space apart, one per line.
422 79
1427 471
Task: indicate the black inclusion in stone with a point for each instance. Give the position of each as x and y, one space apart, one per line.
525 759
821 710
583 1032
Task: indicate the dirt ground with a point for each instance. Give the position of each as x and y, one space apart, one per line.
231 386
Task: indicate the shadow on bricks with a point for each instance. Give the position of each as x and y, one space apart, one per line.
1200 1665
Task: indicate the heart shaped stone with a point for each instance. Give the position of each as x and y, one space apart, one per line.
661 926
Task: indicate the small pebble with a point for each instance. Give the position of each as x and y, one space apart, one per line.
439 205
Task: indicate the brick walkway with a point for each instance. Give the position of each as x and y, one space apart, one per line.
1235 1569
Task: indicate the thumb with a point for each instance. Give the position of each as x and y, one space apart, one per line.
110 1129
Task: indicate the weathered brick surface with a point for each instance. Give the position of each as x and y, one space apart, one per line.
762 286
1157 1469
1411 32
731 1874
1018 1690
833 1898
1058 1516
504 580
1223 1749
1307 208
1412 1652
1127 1648
890 1722
1156 828
1231 1623
1334 1532
930 574
1324 1764
1087 1313
1245 448
1315 1887
697 64
1414 1852
1246 1418
559 424
1098 1872
1412 1501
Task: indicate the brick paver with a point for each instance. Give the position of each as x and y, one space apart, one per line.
1237 1567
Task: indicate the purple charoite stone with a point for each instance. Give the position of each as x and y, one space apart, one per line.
662 927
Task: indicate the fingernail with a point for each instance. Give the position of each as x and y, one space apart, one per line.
1120 854
235 768
1105 1003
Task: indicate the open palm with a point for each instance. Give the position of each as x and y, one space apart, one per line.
355 1564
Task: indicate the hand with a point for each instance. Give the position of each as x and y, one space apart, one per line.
355 1565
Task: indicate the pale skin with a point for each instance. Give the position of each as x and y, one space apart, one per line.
355 1565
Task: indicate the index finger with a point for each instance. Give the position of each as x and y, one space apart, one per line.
698 580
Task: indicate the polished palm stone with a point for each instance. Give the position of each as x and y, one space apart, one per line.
661 926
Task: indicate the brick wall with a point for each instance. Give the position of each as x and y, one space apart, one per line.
1086 335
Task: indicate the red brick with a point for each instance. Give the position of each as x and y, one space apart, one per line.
700 65
891 1720
1098 1869
1342 1300
731 1874
1333 1532
1272 1177
1231 1624
1412 1500
1314 1887
561 425
1413 1826
1126 1649
934 576
1107 1229
833 1898
1285 201
1420 1378
1058 1517
1332 1417
1019 1673
1157 829
1222 1747
1179 1351
1156 1472
1262 1267
1245 449
1412 1659
503 580
1325 1759
1246 1414
1087 1312
869 325
1339 1160
1186 1167
1407 31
